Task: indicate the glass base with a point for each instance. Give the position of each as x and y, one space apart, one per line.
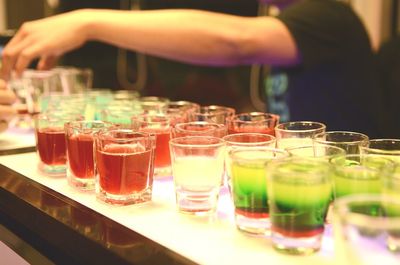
254 226
80 183
296 246
160 172
126 199
53 170
196 203
393 242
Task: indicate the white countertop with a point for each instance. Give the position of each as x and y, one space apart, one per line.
202 240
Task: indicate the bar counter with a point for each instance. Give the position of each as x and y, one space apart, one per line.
46 221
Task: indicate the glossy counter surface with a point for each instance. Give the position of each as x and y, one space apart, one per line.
72 227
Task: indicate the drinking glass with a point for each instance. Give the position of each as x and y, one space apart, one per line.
361 174
249 187
387 147
119 114
199 128
80 160
299 193
254 122
244 141
351 142
180 109
322 152
367 229
197 168
160 126
28 88
211 113
50 141
73 79
152 104
124 160
318 151
297 133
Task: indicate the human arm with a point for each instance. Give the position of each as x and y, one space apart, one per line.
190 36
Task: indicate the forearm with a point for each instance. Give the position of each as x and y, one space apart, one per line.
186 35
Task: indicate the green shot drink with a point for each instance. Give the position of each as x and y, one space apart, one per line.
361 174
300 191
249 188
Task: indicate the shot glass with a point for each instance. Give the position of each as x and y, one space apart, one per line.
180 109
118 115
153 105
299 193
361 174
80 159
211 113
253 122
297 133
318 151
244 141
74 80
367 229
386 147
50 141
321 152
351 142
249 187
124 160
197 168
199 128
28 88
160 126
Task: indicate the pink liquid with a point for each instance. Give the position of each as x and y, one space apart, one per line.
123 170
162 154
80 155
292 233
51 146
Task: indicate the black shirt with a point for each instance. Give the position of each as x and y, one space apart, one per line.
336 82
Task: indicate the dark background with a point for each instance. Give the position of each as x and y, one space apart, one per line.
120 69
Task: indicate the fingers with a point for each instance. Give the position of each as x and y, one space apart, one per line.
47 62
6 112
3 126
10 53
7 97
26 56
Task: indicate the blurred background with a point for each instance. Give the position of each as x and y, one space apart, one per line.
237 87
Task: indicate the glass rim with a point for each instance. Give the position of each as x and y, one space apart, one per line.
216 109
183 104
32 73
225 138
215 126
176 142
233 154
280 125
105 134
267 117
77 124
163 100
341 150
364 138
142 118
342 204
302 159
380 151
389 167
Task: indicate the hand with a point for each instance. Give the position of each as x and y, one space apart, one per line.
46 39
7 97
